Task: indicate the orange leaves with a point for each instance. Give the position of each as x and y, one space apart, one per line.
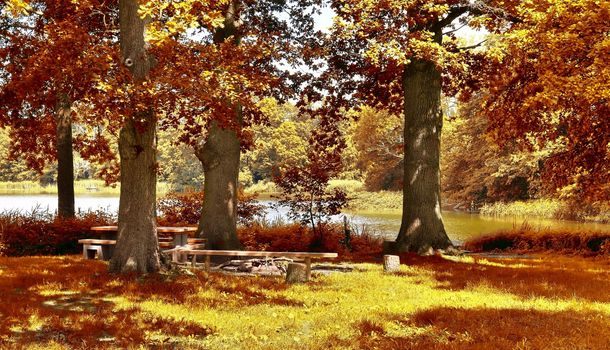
297 238
72 48
60 49
61 300
185 208
172 18
39 234
552 86
373 41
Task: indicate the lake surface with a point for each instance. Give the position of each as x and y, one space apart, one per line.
460 226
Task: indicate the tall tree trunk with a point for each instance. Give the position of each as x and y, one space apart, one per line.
219 155
422 226
65 159
137 248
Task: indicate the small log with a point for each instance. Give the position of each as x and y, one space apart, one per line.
391 263
296 273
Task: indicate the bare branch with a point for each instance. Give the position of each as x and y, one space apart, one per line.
456 29
16 26
481 8
472 46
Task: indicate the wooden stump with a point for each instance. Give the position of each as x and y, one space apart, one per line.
391 263
296 273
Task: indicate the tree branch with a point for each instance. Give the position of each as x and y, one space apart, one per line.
16 26
472 46
456 29
451 16
480 8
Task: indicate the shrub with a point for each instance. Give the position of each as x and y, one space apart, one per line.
180 208
296 237
185 208
39 233
526 239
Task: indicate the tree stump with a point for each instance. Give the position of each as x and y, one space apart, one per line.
296 273
391 263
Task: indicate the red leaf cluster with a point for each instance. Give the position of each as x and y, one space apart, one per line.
299 238
185 208
31 234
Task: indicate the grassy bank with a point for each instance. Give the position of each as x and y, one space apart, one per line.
92 187
550 209
263 190
383 201
391 202
268 189
433 303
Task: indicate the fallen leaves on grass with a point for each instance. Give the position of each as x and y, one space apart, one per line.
464 303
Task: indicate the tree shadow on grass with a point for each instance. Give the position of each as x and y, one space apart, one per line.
67 300
75 327
546 278
493 329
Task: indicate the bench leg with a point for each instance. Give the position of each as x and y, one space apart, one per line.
91 250
183 258
207 263
179 257
308 267
194 261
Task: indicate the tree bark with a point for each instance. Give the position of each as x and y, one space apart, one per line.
220 155
422 226
65 159
137 248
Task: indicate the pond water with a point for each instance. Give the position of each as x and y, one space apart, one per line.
460 226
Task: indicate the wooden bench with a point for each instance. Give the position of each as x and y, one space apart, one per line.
100 247
209 253
170 246
103 248
193 245
189 240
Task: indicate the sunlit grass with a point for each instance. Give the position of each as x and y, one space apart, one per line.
549 208
65 301
375 202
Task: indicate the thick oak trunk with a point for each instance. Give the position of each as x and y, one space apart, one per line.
219 155
137 249
422 226
65 159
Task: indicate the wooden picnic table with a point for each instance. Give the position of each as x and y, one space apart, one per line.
180 234
181 252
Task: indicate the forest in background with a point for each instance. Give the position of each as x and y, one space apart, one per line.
477 173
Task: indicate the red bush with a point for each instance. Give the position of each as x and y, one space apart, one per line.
185 208
295 237
32 234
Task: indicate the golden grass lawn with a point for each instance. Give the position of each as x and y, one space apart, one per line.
432 303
